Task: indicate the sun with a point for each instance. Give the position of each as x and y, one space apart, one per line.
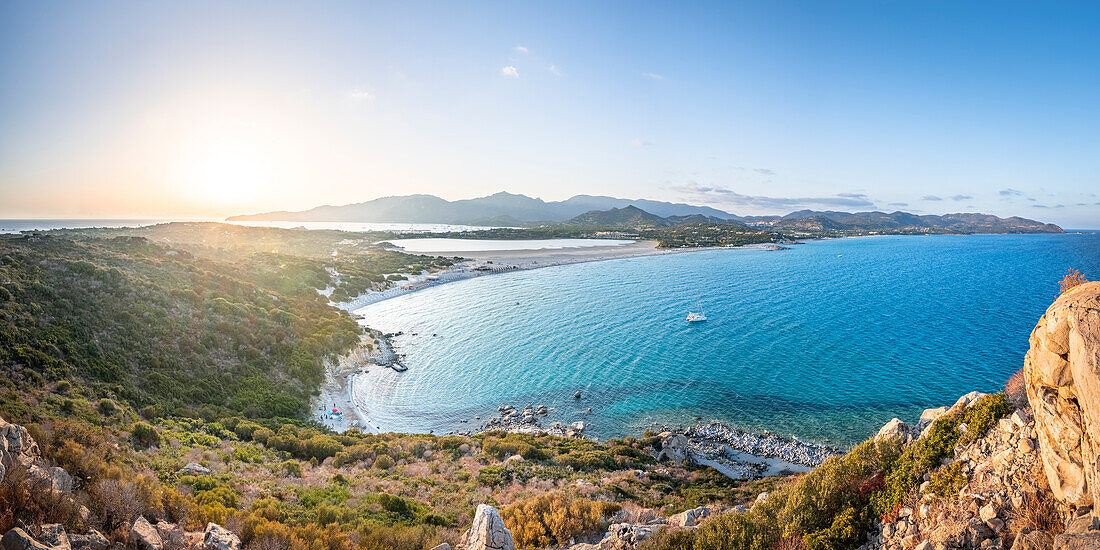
226 172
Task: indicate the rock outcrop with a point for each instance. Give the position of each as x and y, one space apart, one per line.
1062 375
16 447
144 536
997 474
217 537
675 448
488 531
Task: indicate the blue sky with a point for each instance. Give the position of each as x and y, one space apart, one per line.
207 109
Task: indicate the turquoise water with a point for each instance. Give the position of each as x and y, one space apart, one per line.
825 342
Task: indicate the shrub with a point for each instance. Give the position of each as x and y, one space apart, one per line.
669 539
928 452
1016 390
810 504
223 496
947 481
383 462
1071 280
106 407
554 518
145 434
64 387
845 532
291 468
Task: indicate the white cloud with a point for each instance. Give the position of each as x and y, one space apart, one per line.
520 49
653 76
638 143
511 71
554 69
360 94
726 196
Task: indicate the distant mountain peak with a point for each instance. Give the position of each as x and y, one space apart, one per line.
423 208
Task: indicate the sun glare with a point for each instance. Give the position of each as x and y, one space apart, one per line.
226 172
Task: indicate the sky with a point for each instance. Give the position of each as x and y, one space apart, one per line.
207 109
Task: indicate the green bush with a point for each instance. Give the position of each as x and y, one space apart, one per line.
929 452
106 407
383 462
291 468
145 434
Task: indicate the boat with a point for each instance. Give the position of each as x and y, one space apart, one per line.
696 317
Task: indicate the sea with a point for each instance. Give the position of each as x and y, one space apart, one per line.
825 342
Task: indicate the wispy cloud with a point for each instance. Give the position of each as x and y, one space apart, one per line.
520 49
511 71
853 195
961 197
764 171
638 143
1048 206
931 198
360 94
554 69
727 196
899 204
1010 192
653 76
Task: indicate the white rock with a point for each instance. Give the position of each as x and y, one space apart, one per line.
893 428
929 416
488 531
217 537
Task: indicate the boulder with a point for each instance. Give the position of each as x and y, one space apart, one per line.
92 540
1077 541
1062 377
16 446
144 536
444 546
675 448
626 536
172 535
488 531
929 416
53 535
217 537
18 539
194 469
967 400
1033 540
892 429
689 518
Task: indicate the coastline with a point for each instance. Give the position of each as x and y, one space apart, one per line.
480 263
350 382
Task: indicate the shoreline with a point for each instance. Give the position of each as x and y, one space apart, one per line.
735 453
479 263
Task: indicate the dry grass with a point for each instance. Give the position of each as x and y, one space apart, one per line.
790 542
1016 390
25 498
1071 280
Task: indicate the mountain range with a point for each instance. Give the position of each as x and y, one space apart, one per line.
497 209
508 209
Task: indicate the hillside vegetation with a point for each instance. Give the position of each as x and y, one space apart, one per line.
196 325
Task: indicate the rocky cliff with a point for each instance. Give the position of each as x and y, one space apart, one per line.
1062 371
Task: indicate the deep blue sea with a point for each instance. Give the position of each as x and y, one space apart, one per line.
825 342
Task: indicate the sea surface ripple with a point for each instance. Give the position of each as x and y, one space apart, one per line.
825 342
